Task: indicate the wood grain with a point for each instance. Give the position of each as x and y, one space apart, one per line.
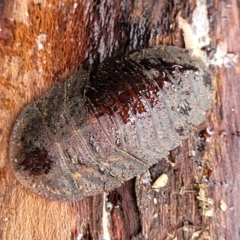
42 42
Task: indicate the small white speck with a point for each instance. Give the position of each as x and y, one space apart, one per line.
109 206
40 39
223 205
146 180
79 237
176 66
75 5
210 131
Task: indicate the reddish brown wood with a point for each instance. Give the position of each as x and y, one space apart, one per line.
136 210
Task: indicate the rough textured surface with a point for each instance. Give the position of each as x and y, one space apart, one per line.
51 38
79 140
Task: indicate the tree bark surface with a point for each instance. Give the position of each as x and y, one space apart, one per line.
42 42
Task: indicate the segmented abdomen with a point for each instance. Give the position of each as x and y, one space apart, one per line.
77 141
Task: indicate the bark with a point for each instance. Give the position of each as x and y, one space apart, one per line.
42 42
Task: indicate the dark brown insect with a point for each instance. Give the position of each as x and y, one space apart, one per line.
94 130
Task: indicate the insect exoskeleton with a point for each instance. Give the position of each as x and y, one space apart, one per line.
96 129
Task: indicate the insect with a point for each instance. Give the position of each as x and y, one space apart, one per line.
96 129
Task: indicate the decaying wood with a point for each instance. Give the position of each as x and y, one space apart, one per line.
43 41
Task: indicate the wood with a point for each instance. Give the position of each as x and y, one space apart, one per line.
40 43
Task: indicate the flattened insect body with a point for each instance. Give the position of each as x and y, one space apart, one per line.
80 140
